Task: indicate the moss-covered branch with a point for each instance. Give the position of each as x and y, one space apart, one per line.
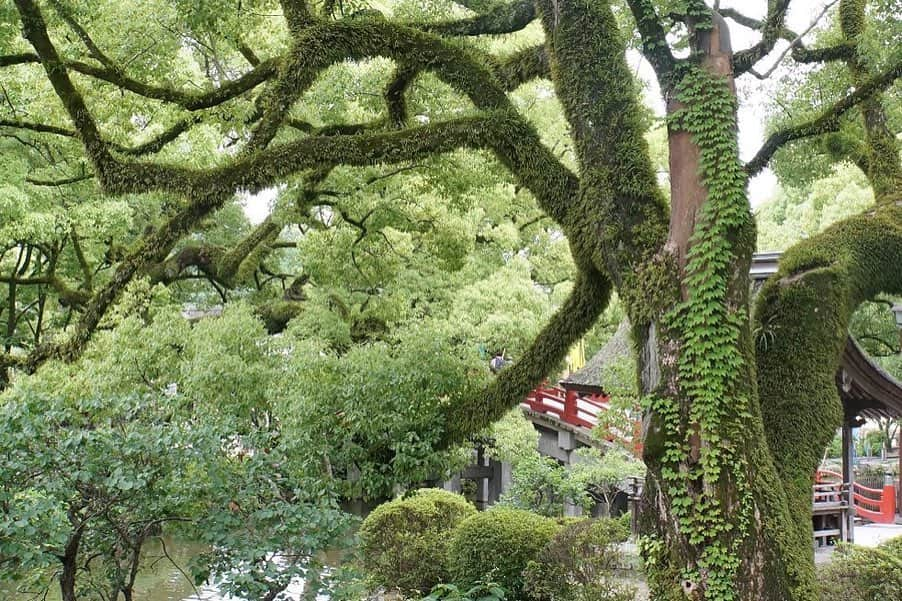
297 15
503 18
39 127
157 143
191 101
53 183
523 66
19 59
801 324
828 121
618 188
579 312
843 51
771 31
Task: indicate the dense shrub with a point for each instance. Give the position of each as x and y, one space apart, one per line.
496 545
405 542
862 574
580 563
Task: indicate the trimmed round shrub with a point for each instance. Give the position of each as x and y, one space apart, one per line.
405 542
496 545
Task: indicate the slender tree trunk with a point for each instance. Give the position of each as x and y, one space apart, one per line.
69 560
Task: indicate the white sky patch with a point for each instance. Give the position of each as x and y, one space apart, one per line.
257 207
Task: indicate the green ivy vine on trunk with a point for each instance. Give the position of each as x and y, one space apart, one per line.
702 437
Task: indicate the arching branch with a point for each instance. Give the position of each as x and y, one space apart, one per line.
579 312
805 308
504 18
151 146
191 101
523 66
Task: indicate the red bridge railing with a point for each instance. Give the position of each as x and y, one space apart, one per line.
873 504
581 410
567 405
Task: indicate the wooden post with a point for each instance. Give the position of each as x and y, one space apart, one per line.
848 475
847 450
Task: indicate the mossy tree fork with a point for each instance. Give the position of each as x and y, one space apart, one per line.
733 431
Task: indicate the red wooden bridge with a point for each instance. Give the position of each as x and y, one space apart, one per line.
831 498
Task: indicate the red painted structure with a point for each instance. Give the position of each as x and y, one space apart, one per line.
569 406
875 504
580 409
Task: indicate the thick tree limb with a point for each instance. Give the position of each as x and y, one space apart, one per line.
19 59
504 18
804 311
826 122
843 51
297 15
618 184
579 312
523 66
395 94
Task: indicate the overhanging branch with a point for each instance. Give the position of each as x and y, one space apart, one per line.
504 18
826 122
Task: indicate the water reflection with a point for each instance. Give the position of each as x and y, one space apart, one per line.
164 577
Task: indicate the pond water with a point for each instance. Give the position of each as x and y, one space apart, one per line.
159 580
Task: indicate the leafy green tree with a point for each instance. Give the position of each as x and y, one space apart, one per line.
94 480
411 161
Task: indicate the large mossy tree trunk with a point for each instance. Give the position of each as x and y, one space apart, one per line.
713 498
715 517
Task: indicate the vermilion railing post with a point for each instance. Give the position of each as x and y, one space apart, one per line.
888 503
571 411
